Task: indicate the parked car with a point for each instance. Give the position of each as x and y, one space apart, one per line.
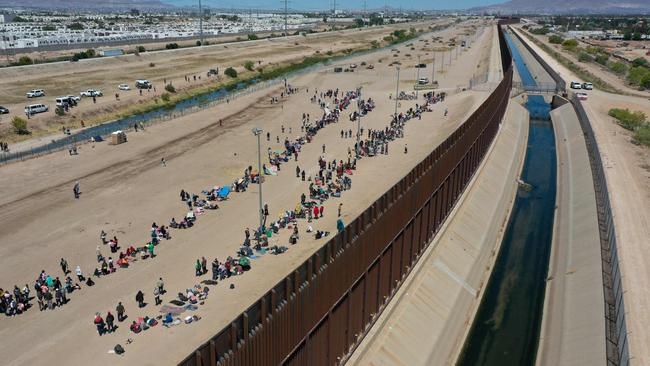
370 67
587 86
124 87
36 108
582 96
142 84
62 101
4 110
338 69
36 93
214 72
420 66
576 85
423 81
91 93
353 66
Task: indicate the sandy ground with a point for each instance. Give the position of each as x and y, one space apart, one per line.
124 190
172 66
593 68
627 168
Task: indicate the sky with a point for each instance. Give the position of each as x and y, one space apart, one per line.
344 4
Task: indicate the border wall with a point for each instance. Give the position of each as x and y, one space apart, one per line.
319 313
615 326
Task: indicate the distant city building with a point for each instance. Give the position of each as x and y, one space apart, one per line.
7 18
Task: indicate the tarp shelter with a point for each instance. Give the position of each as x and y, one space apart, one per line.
224 192
98 138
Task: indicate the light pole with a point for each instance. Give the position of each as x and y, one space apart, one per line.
397 93
417 77
258 132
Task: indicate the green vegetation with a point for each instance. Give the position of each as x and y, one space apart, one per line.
165 96
540 31
19 125
374 44
253 37
171 46
249 65
602 59
572 66
90 53
140 49
635 122
59 111
585 57
555 39
627 119
19 19
25 60
230 72
570 44
48 28
170 88
638 75
76 26
618 67
639 61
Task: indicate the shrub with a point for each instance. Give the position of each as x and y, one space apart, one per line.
618 67
374 44
555 39
602 59
627 119
642 135
141 49
645 81
25 60
171 46
20 125
253 37
170 88
570 44
585 57
231 72
249 65
151 64
59 111
541 31
329 53
637 74
165 96
639 61
198 43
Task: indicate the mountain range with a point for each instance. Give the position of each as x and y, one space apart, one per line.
569 7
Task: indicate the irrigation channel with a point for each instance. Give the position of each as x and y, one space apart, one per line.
506 328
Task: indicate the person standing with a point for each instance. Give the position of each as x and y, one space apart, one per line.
215 270
204 265
163 162
161 285
197 268
150 247
99 323
322 209
120 312
109 322
156 296
340 207
323 148
139 298
316 212
79 274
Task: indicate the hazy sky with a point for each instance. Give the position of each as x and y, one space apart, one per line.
344 4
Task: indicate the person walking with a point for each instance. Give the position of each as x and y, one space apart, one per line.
406 149
64 266
156 296
139 298
163 162
76 189
340 207
110 327
120 312
161 285
322 210
323 148
297 171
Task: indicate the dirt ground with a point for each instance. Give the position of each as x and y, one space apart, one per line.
170 66
627 169
125 189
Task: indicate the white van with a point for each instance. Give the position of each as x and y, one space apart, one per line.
36 108
62 101
423 81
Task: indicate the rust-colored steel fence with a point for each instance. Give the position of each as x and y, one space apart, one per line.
319 313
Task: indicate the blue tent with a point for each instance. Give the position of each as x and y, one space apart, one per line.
224 192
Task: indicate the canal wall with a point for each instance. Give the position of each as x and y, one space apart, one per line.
573 330
430 316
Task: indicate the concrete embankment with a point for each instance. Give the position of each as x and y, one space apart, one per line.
573 328
428 320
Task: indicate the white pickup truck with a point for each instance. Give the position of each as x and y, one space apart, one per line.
91 93
35 93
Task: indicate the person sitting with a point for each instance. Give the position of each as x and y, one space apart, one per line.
168 319
135 327
173 223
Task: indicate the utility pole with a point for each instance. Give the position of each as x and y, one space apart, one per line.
200 23
285 17
257 132
397 93
334 16
365 11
